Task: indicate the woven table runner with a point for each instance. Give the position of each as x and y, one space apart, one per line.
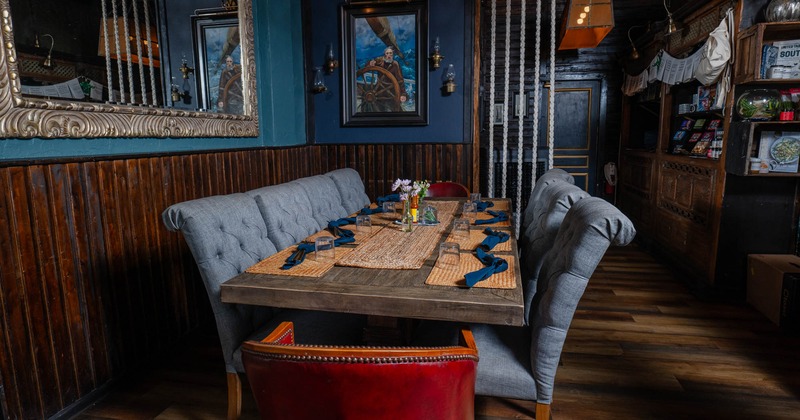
454 275
391 248
308 268
476 236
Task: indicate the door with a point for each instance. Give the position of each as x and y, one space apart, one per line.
577 130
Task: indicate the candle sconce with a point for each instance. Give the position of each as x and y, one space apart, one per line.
331 63
436 57
319 84
449 79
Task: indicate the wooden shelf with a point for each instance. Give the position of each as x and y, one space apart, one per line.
747 67
743 141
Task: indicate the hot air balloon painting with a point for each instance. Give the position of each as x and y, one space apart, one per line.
385 83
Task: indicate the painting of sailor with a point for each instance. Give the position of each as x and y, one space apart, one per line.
384 81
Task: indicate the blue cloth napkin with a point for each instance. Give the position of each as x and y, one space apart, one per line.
483 205
499 216
493 237
367 210
493 265
385 198
334 227
298 256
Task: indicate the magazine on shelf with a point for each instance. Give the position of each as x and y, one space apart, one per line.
677 142
702 145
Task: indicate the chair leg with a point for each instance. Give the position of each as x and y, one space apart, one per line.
234 396
542 411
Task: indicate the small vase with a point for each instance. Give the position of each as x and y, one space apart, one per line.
407 222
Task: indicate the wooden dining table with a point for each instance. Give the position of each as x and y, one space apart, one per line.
390 293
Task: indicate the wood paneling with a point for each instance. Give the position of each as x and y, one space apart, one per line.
91 283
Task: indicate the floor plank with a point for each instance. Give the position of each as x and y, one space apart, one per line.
640 347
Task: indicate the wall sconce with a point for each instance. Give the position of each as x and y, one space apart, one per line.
319 84
48 61
585 23
185 69
331 63
185 72
449 79
436 57
634 52
671 27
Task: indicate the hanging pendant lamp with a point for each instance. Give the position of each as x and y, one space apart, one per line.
585 23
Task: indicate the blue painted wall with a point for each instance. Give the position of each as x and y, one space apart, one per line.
449 118
281 107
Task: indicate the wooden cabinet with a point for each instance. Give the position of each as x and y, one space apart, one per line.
705 215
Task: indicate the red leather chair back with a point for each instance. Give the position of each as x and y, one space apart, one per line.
324 382
447 189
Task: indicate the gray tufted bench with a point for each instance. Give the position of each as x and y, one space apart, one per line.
228 233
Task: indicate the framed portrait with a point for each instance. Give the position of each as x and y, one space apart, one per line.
218 62
384 70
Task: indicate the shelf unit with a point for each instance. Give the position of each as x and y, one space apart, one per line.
706 215
749 44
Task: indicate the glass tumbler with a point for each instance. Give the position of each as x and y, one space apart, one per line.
475 197
324 249
469 211
449 255
363 224
461 228
389 210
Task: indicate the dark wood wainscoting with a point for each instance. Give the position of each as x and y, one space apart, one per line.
91 283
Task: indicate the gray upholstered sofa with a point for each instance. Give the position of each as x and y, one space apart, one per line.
228 233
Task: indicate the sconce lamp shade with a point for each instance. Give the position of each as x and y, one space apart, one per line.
585 23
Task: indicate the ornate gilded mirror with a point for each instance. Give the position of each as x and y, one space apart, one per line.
138 91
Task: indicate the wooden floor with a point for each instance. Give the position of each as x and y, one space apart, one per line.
640 347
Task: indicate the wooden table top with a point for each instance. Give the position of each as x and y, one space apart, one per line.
382 292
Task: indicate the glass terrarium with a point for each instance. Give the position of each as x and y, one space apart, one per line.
759 104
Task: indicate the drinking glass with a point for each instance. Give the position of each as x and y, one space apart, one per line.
324 249
389 210
475 197
363 223
469 211
449 255
461 228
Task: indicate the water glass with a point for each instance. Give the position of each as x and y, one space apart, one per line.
389 210
363 223
470 211
461 228
475 197
324 249
449 255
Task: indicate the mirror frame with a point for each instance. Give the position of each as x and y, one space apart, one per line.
28 117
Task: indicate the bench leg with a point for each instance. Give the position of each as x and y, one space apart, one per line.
234 396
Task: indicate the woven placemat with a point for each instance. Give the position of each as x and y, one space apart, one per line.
454 275
500 205
308 268
475 238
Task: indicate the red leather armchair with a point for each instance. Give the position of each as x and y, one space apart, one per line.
294 382
447 189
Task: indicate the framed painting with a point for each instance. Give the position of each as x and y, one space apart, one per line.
384 70
218 60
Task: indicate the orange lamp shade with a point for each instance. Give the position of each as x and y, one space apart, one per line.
585 23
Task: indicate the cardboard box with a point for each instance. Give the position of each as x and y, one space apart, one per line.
773 287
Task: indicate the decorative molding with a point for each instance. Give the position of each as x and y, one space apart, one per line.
25 117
